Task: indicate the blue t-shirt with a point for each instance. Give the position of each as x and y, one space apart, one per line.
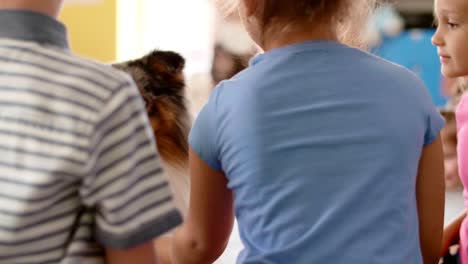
320 143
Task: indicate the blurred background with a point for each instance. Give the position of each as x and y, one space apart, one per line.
117 30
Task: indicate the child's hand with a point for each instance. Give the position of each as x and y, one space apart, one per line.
451 233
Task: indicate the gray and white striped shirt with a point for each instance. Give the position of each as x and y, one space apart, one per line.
78 164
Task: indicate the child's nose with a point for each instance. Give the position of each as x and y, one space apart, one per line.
436 39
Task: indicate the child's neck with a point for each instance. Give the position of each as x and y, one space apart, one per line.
280 38
49 8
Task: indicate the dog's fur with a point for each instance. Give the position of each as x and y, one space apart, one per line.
160 80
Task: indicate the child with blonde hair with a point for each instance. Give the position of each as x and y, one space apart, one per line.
450 38
323 152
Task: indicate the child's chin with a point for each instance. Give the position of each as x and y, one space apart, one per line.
447 73
450 73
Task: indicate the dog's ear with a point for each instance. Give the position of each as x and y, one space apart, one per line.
165 63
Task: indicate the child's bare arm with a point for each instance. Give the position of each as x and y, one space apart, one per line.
431 199
452 233
142 254
205 233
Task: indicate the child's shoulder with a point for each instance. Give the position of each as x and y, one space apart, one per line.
106 70
389 67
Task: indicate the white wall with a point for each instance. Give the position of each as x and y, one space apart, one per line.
185 26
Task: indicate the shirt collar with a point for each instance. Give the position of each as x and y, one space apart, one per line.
32 26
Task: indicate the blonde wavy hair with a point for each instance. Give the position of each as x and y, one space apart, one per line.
458 89
350 17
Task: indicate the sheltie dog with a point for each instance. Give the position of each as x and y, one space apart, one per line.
160 80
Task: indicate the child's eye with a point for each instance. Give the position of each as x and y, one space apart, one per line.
452 25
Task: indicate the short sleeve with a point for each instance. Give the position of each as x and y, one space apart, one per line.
435 123
203 135
126 186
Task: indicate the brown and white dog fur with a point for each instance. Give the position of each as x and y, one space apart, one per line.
160 80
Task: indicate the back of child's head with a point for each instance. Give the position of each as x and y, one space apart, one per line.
449 132
449 141
348 17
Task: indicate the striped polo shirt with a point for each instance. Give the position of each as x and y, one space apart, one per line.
79 169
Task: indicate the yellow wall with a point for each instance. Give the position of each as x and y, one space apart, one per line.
92 28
